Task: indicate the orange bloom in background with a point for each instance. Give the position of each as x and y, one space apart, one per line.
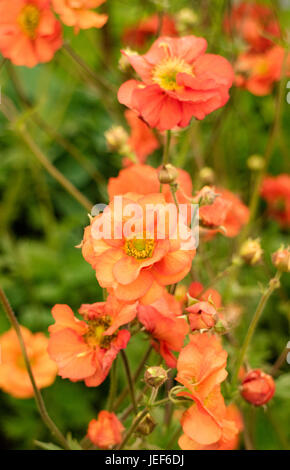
195 291
179 81
106 431
257 72
143 179
85 349
202 315
138 34
142 140
257 387
79 13
254 23
168 329
231 424
143 260
14 378
276 191
29 32
227 211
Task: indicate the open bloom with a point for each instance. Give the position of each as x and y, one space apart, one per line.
14 378
106 431
142 140
79 13
255 23
179 81
138 34
85 349
138 245
143 179
29 32
257 387
167 328
257 72
276 191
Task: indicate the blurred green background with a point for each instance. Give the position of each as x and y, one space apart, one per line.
40 223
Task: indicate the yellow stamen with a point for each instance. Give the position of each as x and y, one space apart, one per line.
28 20
95 336
139 248
166 72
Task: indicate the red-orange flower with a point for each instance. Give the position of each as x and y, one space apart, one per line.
142 140
257 387
255 23
29 32
141 254
276 191
143 179
14 378
257 72
179 81
79 13
137 35
85 349
163 321
227 211
106 431
202 316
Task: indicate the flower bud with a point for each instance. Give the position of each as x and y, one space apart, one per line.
155 376
202 316
146 426
257 387
251 251
185 19
167 174
207 196
117 138
207 175
256 163
281 259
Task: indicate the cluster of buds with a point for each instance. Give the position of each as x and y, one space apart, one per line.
251 251
257 387
281 259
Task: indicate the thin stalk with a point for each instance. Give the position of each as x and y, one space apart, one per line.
132 428
37 395
165 159
113 386
273 284
129 378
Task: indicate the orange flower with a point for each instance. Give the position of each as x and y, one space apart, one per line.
202 316
29 32
179 81
14 378
142 140
276 191
143 179
227 211
78 13
106 431
138 35
85 349
195 291
230 425
257 387
254 23
143 257
163 321
257 72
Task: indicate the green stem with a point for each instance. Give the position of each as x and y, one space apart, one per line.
113 385
37 395
273 284
166 148
129 378
132 428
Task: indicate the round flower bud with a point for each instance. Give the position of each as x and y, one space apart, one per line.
251 251
185 19
256 163
116 138
281 259
207 175
167 174
257 387
146 426
155 376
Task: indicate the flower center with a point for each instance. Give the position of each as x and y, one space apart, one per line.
95 337
29 19
166 72
139 248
